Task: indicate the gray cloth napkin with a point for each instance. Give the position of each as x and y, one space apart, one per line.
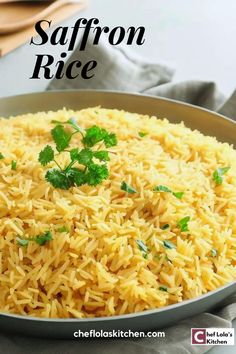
119 69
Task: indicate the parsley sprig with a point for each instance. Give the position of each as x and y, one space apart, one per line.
72 122
93 163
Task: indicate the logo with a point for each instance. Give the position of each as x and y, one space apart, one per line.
212 336
198 336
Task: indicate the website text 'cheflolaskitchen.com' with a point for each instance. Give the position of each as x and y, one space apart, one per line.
117 334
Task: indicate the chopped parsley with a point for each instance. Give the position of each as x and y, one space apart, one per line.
13 165
92 172
63 229
183 224
1 156
40 239
142 134
218 174
143 248
22 241
161 188
163 288
178 195
165 227
168 244
127 188
214 252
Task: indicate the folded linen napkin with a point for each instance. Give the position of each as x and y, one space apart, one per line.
120 70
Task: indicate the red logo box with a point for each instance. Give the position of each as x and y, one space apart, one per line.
198 336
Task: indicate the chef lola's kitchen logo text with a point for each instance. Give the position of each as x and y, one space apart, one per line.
212 336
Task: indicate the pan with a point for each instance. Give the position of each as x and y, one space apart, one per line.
204 120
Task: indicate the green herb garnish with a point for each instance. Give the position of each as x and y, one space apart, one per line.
168 244
183 224
96 174
40 239
63 229
92 173
59 179
142 134
22 242
218 174
72 122
102 155
1 156
161 188
61 137
165 227
46 155
214 252
178 195
163 288
95 134
143 248
13 165
129 189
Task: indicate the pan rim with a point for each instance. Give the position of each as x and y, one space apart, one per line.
125 93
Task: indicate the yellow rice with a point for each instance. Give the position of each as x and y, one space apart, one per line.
97 269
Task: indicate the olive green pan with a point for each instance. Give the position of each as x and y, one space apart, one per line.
196 118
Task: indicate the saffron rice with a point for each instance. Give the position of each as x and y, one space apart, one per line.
97 268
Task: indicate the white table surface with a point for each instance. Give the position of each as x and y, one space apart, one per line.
197 38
